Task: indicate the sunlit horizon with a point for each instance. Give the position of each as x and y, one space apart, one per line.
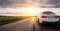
26 11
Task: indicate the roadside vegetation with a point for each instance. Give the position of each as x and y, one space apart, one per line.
10 19
59 18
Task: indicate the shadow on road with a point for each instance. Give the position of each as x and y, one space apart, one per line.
51 27
47 27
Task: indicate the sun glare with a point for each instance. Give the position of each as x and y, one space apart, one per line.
31 11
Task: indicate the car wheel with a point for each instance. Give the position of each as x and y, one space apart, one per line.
57 22
39 22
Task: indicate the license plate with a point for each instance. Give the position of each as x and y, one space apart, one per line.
50 17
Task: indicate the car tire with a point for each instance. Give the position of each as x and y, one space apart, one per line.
39 22
57 22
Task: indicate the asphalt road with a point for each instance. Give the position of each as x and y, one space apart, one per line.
47 27
29 24
22 25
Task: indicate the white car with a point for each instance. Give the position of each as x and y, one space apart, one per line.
47 17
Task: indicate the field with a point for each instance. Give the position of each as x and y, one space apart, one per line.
59 18
10 19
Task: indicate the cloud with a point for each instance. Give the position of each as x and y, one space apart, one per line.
53 3
7 3
13 3
48 3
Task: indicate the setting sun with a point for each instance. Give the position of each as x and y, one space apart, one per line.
31 11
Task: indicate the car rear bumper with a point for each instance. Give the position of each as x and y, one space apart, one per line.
44 22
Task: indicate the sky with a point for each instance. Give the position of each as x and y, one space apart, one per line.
27 12
39 3
14 7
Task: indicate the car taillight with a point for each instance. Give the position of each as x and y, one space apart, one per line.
55 16
43 16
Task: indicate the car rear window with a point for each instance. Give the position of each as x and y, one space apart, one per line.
47 12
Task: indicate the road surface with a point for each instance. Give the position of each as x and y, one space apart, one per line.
29 24
47 27
23 25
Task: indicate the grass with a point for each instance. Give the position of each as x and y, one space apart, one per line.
10 19
59 18
6 19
